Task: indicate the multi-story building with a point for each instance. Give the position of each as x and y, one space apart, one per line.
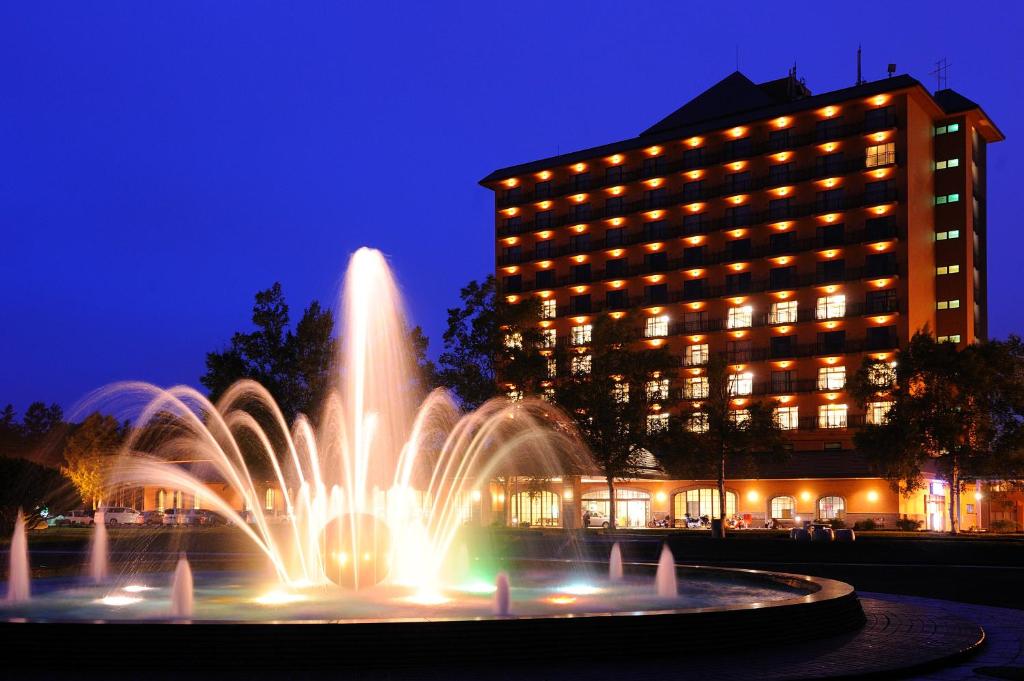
792 233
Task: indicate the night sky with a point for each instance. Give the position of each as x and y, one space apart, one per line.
161 162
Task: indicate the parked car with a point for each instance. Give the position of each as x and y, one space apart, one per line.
152 517
120 515
78 517
175 516
598 519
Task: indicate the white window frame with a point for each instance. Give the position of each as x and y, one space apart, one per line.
832 306
832 377
740 317
784 312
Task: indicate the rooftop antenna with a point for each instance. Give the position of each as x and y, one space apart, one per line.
860 81
892 70
941 74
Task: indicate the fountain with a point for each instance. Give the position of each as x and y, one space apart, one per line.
181 590
615 564
98 554
665 578
18 590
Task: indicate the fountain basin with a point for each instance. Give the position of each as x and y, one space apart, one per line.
555 613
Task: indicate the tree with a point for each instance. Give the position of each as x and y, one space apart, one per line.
30 487
958 411
39 420
714 438
490 343
87 453
606 391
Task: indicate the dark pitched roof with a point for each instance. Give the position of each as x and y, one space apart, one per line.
952 101
733 94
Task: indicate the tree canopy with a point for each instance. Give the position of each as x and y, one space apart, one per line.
88 452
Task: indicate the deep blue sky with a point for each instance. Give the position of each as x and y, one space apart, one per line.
161 162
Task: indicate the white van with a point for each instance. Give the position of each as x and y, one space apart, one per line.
119 515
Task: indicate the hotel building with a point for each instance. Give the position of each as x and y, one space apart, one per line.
793 234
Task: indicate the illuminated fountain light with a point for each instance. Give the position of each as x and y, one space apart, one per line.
428 598
580 589
118 601
479 587
278 597
136 588
562 600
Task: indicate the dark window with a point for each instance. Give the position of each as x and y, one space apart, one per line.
693 255
831 270
581 273
692 190
615 236
655 230
783 346
655 198
831 199
883 117
738 216
578 304
782 277
830 164
616 300
617 268
737 182
513 283
880 301
514 195
778 209
511 254
581 182
828 129
833 446
738 148
782 381
831 341
613 174
542 190
880 228
693 157
780 173
545 278
740 351
580 212
579 242
778 139
693 289
881 337
657 293
695 321
543 219
738 282
543 249
875 192
656 262
738 249
512 225
831 235
613 206
693 223
654 165
879 264
781 242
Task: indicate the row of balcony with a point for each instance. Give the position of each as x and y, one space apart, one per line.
702 160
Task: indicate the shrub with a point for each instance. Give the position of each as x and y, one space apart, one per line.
908 525
1004 526
838 524
868 524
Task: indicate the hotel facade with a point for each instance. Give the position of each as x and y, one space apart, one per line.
793 235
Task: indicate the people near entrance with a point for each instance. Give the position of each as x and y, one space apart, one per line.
586 519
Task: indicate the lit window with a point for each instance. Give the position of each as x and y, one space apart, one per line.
697 422
783 508
552 367
514 341
784 312
955 338
515 395
581 334
695 388
657 390
740 317
621 393
548 395
832 416
831 307
739 417
831 508
947 269
581 364
876 411
882 376
548 309
951 163
656 327
947 304
831 378
696 355
548 338
788 418
741 384
943 129
269 500
951 234
657 423
881 155
946 198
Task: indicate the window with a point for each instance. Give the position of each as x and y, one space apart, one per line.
881 301
738 216
831 199
783 313
737 182
693 255
882 117
613 174
788 418
656 294
620 391
613 206
581 334
542 190
614 236
955 338
876 411
543 219
545 278
657 423
830 164
738 249
269 500
831 508
695 355
579 304
693 289
951 234
778 139
548 338
552 367
832 416
656 327
656 262
695 388
703 502
781 242
692 190
783 508
580 273
616 300
783 346
581 364
655 230
882 376
741 384
738 282
947 304
619 267
513 283
581 182
697 422
515 395
693 157
739 351
655 198
695 321
778 209
831 378
947 269
579 242
514 341
512 254
779 173
657 390
943 129
946 198
782 277
580 212
548 308
783 381
881 155
542 249
739 417
949 163
548 395
831 307
740 317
